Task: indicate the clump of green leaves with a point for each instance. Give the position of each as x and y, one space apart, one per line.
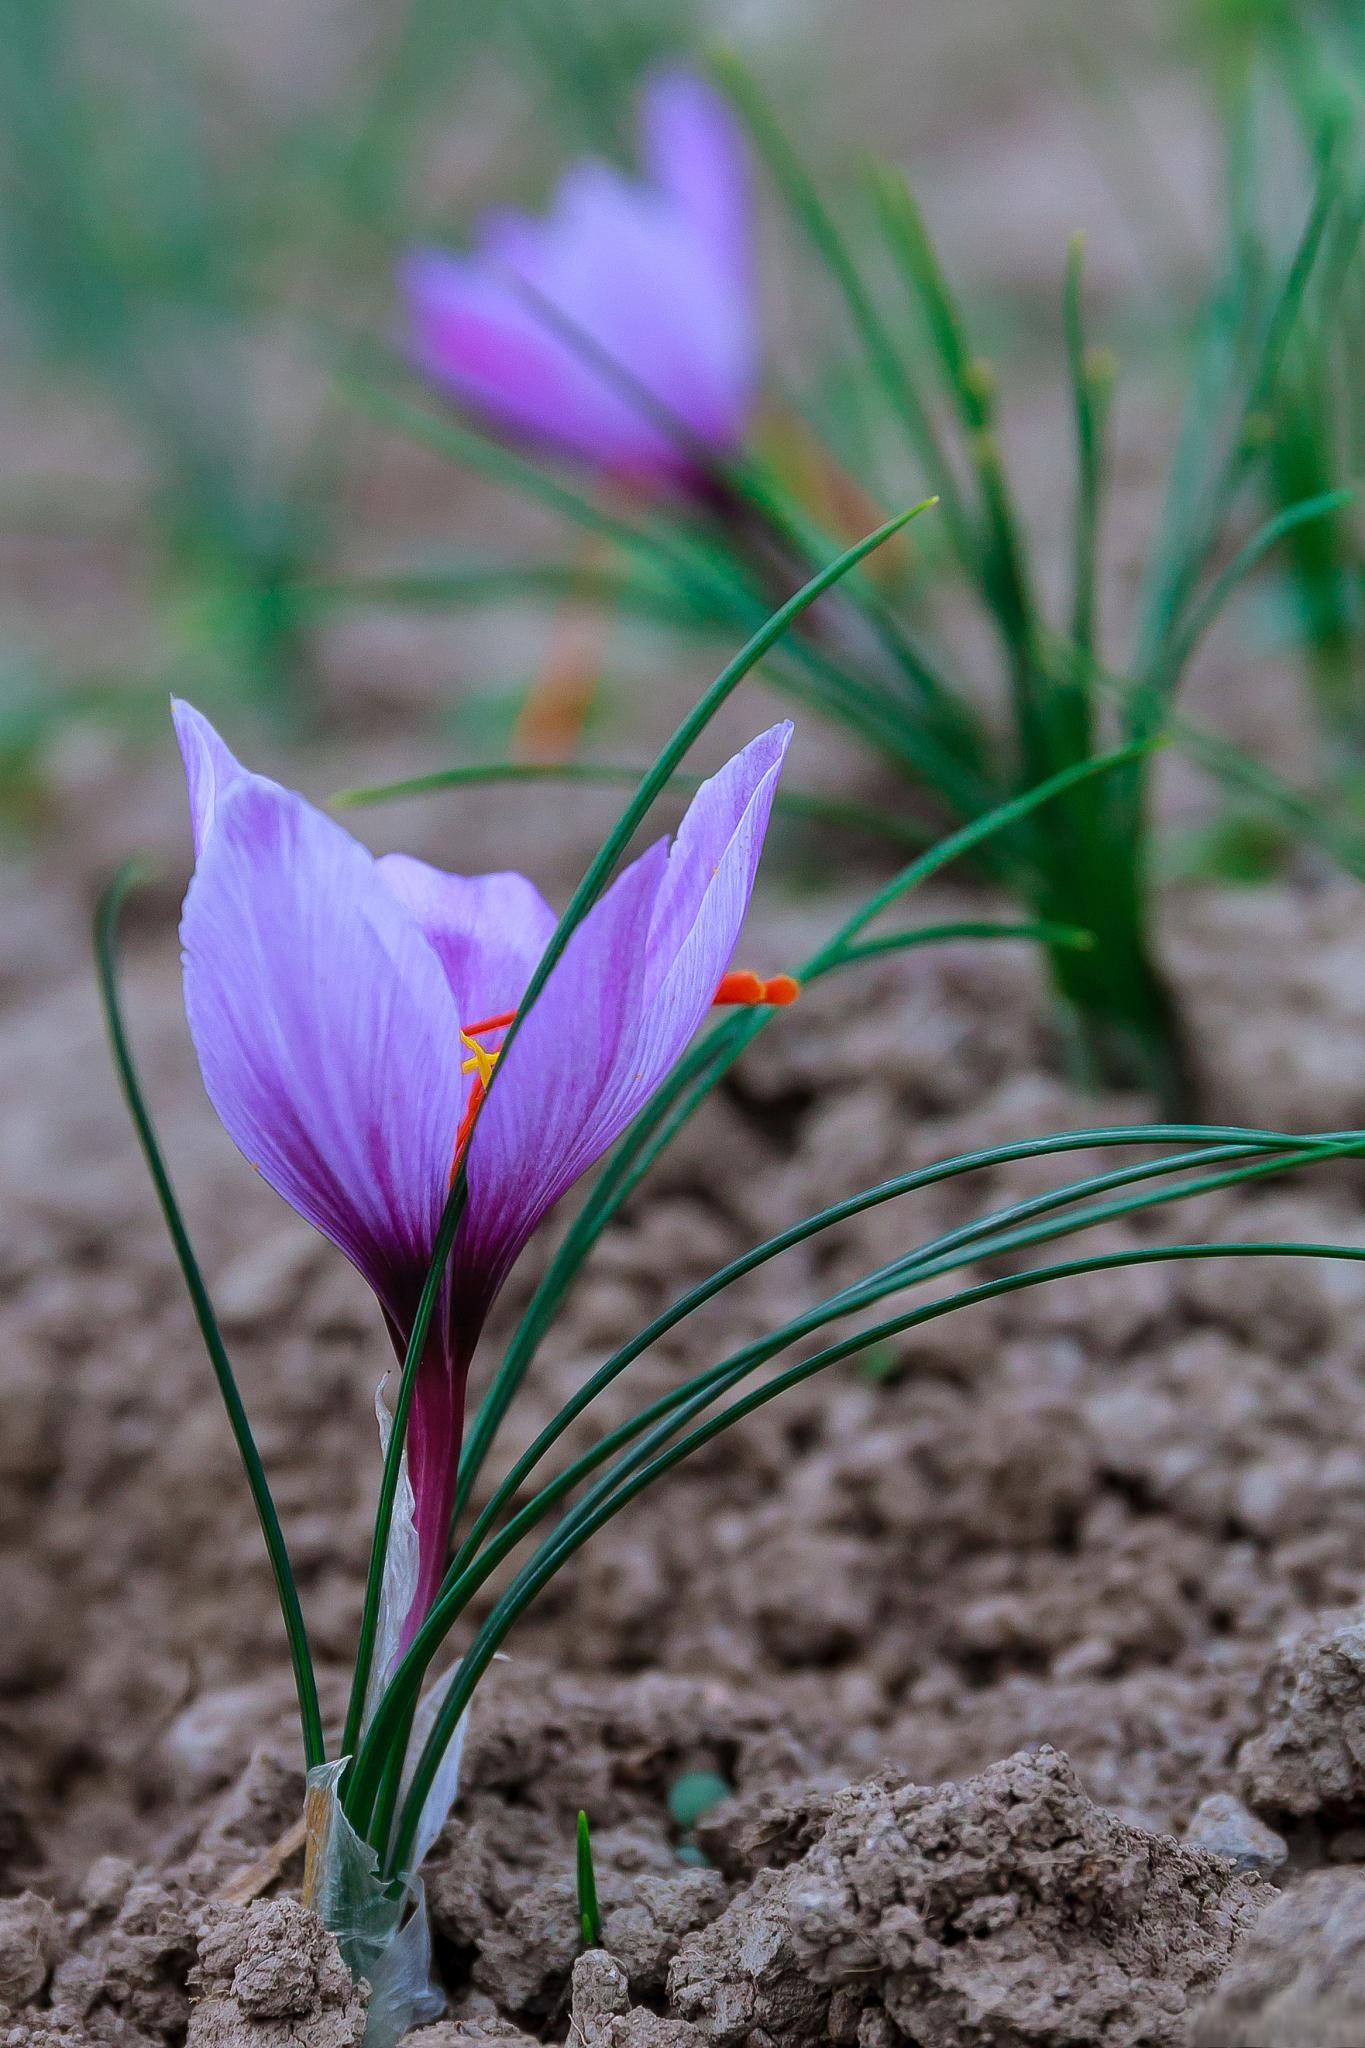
875 661
1293 92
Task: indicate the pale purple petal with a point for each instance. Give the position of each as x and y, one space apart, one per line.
738 797
636 981
693 148
659 314
473 333
325 1030
488 931
211 768
554 1105
701 907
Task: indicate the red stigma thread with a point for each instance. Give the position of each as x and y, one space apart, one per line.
462 1136
498 1023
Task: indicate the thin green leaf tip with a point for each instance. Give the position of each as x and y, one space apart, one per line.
589 1912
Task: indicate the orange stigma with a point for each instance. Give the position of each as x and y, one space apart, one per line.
471 1110
740 986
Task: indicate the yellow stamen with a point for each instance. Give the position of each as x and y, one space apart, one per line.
480 1060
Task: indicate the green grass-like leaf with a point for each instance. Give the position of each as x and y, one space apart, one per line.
106 954
1020 1226
793 803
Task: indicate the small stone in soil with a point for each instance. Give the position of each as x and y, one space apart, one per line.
1222 1826
602 2015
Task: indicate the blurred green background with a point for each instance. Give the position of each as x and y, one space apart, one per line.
203 207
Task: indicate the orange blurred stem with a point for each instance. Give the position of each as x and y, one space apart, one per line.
559 702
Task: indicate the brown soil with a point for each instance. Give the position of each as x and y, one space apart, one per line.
1095 1518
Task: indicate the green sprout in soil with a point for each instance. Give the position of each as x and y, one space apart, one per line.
589 1912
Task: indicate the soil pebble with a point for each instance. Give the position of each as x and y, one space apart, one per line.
483 2032
1222 1826
129 1950
501 1882
602 2015
1309 1757
270 1976
29 1944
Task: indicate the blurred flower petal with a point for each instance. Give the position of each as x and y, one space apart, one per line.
620 329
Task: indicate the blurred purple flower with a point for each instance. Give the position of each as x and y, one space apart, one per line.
630 307
345 1012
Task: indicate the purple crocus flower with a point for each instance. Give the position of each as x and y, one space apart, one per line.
629 307
346 1011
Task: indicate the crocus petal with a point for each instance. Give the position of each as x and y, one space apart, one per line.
621 329
211 768
738 796
487 931
635 982
472 333
555 1108
325 1030
642 300
701 907
693 149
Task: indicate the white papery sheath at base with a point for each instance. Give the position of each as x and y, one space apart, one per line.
381 1929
